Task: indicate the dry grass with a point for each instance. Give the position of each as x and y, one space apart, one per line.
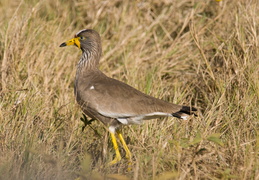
203 53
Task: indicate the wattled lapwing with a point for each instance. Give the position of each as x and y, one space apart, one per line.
113 102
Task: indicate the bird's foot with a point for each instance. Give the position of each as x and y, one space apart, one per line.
115 160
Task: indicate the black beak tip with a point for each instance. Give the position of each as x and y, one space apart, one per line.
63 44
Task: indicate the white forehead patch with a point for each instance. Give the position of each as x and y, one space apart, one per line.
80 32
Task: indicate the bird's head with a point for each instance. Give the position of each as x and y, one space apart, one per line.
86 40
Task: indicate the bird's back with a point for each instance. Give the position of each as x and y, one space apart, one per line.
115 99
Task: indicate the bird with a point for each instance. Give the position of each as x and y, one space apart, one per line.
111 101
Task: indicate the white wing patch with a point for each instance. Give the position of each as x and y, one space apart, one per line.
92 87
158 114
123 121
131 120
127 119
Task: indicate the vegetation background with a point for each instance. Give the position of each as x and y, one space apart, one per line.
199 52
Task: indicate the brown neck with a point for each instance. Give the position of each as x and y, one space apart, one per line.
90 58
87 66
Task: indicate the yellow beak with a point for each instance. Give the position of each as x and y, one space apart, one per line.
74 41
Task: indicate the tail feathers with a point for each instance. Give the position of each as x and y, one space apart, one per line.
185 112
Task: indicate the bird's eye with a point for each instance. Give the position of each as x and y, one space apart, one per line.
81 38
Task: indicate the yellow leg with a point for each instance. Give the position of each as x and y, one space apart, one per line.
116 148
128 153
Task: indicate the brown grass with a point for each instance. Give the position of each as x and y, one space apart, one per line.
203 53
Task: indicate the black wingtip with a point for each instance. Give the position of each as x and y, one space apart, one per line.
189 110
185 111
63 45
